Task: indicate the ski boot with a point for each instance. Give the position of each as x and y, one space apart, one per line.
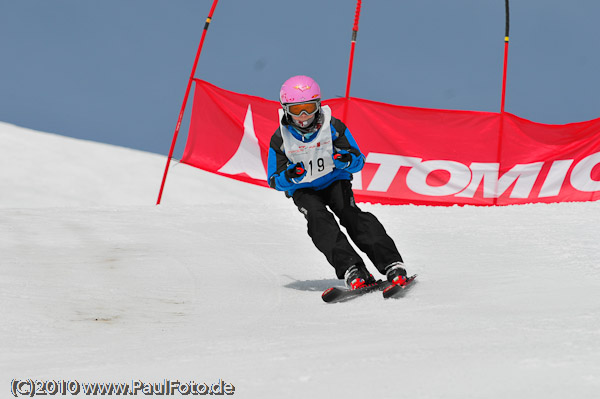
396 273
357 276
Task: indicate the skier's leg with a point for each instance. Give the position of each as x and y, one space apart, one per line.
325 232
364 228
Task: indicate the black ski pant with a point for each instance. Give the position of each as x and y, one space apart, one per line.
363 228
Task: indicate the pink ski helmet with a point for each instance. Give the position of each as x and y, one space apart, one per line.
299 89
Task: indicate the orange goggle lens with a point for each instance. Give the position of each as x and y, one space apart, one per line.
308 108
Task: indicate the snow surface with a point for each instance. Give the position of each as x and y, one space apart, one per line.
222 282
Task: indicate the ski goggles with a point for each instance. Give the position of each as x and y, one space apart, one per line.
309 108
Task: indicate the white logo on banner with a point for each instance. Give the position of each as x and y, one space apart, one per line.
464 180
247 158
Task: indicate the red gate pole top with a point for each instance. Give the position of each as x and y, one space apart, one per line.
185 99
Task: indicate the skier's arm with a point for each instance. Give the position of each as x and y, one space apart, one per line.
345 145
279 164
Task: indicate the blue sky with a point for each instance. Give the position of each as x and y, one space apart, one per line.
116 71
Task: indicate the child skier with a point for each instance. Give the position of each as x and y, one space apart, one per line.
312 156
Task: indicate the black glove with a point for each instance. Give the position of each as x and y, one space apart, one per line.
295 172
342 159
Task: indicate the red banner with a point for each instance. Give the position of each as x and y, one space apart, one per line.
413 155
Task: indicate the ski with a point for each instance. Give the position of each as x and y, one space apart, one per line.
341 294
398 291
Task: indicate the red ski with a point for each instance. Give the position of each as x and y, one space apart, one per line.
398 291
342 294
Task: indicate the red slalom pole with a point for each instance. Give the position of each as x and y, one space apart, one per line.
505 58
185 99
351 62
503 100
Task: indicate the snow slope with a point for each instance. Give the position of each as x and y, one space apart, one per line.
222 282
